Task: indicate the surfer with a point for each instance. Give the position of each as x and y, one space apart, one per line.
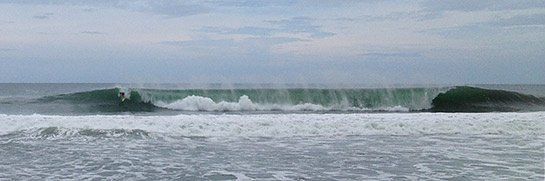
122 96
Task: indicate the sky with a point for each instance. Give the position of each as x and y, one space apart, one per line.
273 41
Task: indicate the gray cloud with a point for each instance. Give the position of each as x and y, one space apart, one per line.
171 8
43 16
493 28
521 20
253 3
479 5
399 16
391 55
433 9
298 24
88 9
294 25
301 25
63 2
7 49
40 17
200 43
255 49
92 32
228 43
246 30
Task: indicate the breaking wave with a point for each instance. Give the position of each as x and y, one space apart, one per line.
447 99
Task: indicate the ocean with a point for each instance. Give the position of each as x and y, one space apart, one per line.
271 132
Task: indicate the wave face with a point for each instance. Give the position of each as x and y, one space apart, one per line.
223 100
105 100
472 99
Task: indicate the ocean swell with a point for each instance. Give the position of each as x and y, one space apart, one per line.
456 99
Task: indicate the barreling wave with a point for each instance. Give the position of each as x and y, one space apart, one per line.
247 100
105 100
447 99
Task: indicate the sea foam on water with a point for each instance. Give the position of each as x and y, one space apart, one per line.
289 125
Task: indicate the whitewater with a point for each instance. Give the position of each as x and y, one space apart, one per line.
227 126
84 132
358 146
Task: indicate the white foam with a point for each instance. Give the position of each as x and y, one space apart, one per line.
289 125
199 103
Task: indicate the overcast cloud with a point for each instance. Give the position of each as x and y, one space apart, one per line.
285 41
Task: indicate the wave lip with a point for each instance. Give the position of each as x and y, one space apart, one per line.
473 99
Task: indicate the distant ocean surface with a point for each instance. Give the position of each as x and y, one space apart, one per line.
271 132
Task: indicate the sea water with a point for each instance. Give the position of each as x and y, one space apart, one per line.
47 132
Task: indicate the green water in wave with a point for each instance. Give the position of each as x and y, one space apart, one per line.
472 99
455 99
412 98
105 100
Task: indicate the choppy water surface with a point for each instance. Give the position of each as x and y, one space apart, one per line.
391 146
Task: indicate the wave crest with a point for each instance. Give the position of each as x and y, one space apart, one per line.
457 99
